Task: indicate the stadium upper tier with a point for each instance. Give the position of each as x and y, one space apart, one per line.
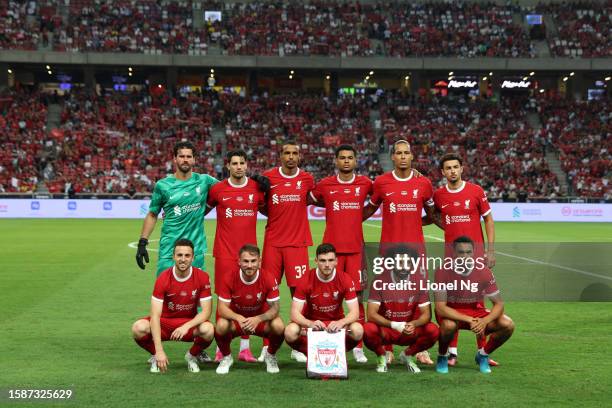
121 143
322 28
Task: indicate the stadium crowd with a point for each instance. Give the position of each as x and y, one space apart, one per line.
116 142
320 27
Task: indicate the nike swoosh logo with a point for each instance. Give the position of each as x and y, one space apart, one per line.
275 185
388 194
171 294
227 198
313 296
445 205
333 192
235 297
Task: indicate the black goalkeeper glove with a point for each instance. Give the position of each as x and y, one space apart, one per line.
262 181
142 255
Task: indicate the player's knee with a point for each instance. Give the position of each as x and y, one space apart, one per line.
141 328
507 324
370 330
431 330
356 331
223 326
448 326
277 327
206 330
292 331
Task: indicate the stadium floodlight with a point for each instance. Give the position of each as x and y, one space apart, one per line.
130 69
327 77
541 90
407 77
572 73
451 73
49 72
531 73
48 67
292 72
212 70
10 71
525 78
485 78
490 73
290 76
371 72
565 79
129 73
608 78
367 78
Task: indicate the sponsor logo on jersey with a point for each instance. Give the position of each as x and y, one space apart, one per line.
448 220
249 297
445 205
183 293
392 208
402 207
388 194
275 199
285 198
228 213
456 203
333 192
336 206
404 193
325 294
186 194
455 219
177 211
239 199
226 198
347 190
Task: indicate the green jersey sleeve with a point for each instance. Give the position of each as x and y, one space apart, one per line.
157 199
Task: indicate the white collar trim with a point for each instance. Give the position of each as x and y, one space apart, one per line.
346 182
229 180
457 190
280 170
333 275
402 179
182 279
247 282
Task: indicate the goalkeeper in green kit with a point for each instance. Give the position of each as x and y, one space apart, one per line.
182 196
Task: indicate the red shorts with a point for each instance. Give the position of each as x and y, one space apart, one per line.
224 268
353 265
168 325
391 336
293 261
259 330
469 312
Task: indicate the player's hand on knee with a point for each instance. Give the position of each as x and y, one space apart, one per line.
179 333
317 325
142 255
409 329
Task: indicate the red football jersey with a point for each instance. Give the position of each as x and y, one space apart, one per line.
399 303
181 297
403 201
288 209
461 210
237 208
344 202
477 284
324 298
249 298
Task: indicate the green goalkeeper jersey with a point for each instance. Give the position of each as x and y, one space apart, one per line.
183 202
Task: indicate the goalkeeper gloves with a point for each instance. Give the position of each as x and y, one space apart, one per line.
142 255
263 181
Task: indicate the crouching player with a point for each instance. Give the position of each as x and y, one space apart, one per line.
248 304
399 311
459 298
317 303
178 292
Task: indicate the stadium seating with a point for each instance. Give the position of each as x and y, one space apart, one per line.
583 28
582 133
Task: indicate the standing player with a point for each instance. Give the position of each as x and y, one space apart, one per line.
237 200
178 292
248 304
287 236
399 312
459 206
182 196
404 196
343 196
463 309
317 303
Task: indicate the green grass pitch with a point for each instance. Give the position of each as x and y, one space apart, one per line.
71 290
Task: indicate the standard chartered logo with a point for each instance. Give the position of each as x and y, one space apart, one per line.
392 208
275 199
448 220
228 213
177 211
336 206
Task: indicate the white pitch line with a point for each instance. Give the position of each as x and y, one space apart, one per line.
535 261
